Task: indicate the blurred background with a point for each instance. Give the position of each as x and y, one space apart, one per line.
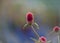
12 19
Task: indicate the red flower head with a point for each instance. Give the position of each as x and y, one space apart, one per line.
56 29
43 39
29 17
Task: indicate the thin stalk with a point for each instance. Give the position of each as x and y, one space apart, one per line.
35 31
58 39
